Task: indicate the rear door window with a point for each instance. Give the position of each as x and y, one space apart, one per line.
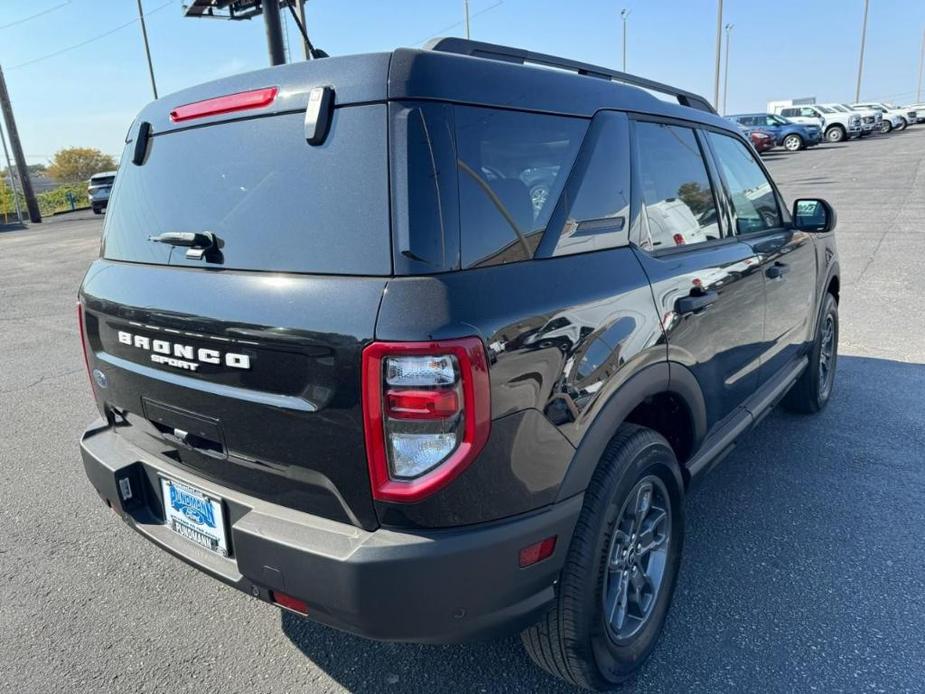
680 208
274 202
511 170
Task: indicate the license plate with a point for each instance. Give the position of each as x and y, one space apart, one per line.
194 515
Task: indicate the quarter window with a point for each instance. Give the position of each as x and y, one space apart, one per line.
680 208
754 201
512 167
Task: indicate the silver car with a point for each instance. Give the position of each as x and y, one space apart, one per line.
98 189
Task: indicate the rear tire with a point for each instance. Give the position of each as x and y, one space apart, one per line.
902 125
813 389
793 143
885 127
613 593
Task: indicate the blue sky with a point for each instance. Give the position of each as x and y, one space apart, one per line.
787 48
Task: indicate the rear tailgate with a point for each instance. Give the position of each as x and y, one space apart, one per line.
244 365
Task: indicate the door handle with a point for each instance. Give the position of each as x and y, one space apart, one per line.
777 270
695 302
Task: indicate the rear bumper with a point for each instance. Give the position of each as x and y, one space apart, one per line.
422 586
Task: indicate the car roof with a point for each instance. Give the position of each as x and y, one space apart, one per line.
490 77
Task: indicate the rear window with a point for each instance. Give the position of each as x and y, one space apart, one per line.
102 180
274 202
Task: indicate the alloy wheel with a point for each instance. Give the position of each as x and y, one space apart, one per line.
636 559
792 143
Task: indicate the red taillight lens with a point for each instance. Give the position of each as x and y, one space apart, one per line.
242 101
83 340
427 414
421 404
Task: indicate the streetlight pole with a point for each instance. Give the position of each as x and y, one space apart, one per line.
274 25
466 7
857 92
144 35
719 49
624 15
302 18
729 28
918 97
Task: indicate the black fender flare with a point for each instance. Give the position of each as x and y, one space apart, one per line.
654 379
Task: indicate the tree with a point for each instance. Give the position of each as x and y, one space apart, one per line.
75 164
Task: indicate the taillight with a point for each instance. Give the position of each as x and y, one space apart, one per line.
83 340
242 101
426 411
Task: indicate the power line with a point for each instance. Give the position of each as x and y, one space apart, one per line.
134 20
440 32
37 14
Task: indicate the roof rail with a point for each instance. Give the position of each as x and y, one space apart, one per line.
491 51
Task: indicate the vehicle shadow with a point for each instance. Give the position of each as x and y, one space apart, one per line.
796 571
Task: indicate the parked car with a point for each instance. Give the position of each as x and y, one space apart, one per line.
919 110
761 140
870 119
354 413
98 189
836 126
893 119
787 134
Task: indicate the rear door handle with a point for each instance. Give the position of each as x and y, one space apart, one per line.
777 270
695 302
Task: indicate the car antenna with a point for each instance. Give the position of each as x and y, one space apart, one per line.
315 53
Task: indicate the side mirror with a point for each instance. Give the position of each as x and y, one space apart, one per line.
813 215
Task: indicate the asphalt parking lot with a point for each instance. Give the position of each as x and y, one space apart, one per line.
804 565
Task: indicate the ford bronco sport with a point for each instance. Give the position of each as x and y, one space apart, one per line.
429 345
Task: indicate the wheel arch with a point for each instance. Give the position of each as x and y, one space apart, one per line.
641 401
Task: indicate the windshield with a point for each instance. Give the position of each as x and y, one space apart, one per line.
824 109
779 120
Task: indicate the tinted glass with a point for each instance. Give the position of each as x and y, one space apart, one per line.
679 204
753 200
274 202
598 189
511 169
788 112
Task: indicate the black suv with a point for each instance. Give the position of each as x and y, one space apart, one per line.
429 345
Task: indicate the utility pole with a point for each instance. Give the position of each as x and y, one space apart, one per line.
144 35
25 183
9 171
274 24
466 6
624 15
719 50
729 28
918 97
857 92
302 18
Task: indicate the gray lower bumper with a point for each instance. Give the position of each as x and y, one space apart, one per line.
423 586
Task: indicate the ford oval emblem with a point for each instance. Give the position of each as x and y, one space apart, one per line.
100 378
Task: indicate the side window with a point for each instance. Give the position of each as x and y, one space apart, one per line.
511 169
789 112
753 200
597 192
679 205
810 113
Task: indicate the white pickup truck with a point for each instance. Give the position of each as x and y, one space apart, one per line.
871 120
894 118
836 125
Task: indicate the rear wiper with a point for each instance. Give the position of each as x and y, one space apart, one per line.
199 243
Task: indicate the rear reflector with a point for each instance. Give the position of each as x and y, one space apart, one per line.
242 101
289 602
537 552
